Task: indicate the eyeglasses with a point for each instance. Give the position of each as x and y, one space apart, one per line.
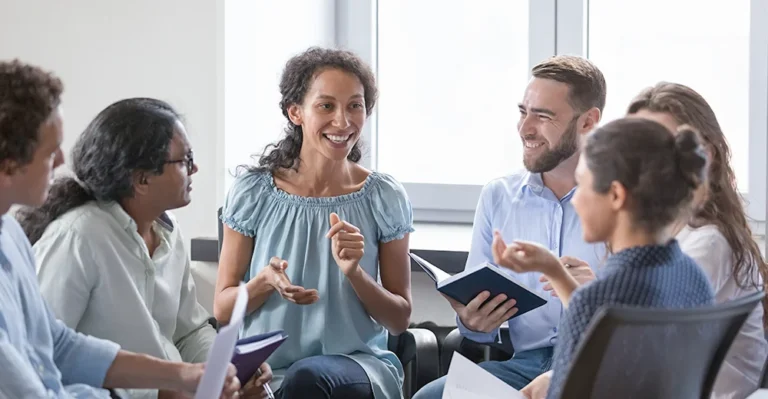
188 161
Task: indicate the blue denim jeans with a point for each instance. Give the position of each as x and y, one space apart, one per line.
325 377
517 372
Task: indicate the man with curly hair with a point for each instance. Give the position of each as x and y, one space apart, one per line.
39 356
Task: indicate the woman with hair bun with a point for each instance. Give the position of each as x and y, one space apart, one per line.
634 181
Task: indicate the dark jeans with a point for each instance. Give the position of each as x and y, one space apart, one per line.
325 377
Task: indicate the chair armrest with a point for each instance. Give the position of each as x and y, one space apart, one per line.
455 342
474 351
418 352
425 366
404 346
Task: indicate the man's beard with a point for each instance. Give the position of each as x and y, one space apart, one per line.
564 149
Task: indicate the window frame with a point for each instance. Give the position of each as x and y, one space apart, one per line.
357 30
573 22
556 27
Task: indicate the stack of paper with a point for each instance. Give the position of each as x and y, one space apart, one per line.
467 380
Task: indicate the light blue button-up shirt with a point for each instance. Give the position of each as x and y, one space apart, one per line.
522 208
39 356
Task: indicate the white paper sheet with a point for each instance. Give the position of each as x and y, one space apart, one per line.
759 394
222 349
467 380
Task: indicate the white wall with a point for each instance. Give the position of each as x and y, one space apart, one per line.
109 50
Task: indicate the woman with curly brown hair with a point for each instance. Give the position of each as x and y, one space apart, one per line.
716 235
320 241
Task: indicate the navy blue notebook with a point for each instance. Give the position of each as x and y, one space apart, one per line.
466 285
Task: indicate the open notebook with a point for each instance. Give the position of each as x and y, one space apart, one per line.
466 285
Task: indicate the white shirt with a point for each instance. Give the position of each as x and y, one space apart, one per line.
95 272
740 374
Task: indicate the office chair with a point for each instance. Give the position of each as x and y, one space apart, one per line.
416 348
655 353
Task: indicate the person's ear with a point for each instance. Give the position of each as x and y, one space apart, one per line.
618 196
295 114
589 120
141 183
7 170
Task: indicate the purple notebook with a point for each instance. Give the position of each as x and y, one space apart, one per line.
251 352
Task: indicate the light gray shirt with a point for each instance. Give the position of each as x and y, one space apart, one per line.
96 272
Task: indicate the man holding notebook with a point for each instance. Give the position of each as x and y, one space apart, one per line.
563 101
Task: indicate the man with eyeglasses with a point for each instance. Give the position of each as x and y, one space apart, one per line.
111 260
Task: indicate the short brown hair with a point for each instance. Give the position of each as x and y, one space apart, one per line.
586 82
28 96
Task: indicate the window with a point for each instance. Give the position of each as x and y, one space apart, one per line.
708 52
434 132
450 75
254 58
451 72
721 51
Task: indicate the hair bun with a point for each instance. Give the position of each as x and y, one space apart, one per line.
690 155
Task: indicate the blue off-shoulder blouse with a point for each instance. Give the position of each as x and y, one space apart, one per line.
293 228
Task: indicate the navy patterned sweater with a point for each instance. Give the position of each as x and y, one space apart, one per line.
654 276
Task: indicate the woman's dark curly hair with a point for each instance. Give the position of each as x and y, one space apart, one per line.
28 96
298 75
129 136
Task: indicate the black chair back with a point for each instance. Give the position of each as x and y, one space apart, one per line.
655 353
